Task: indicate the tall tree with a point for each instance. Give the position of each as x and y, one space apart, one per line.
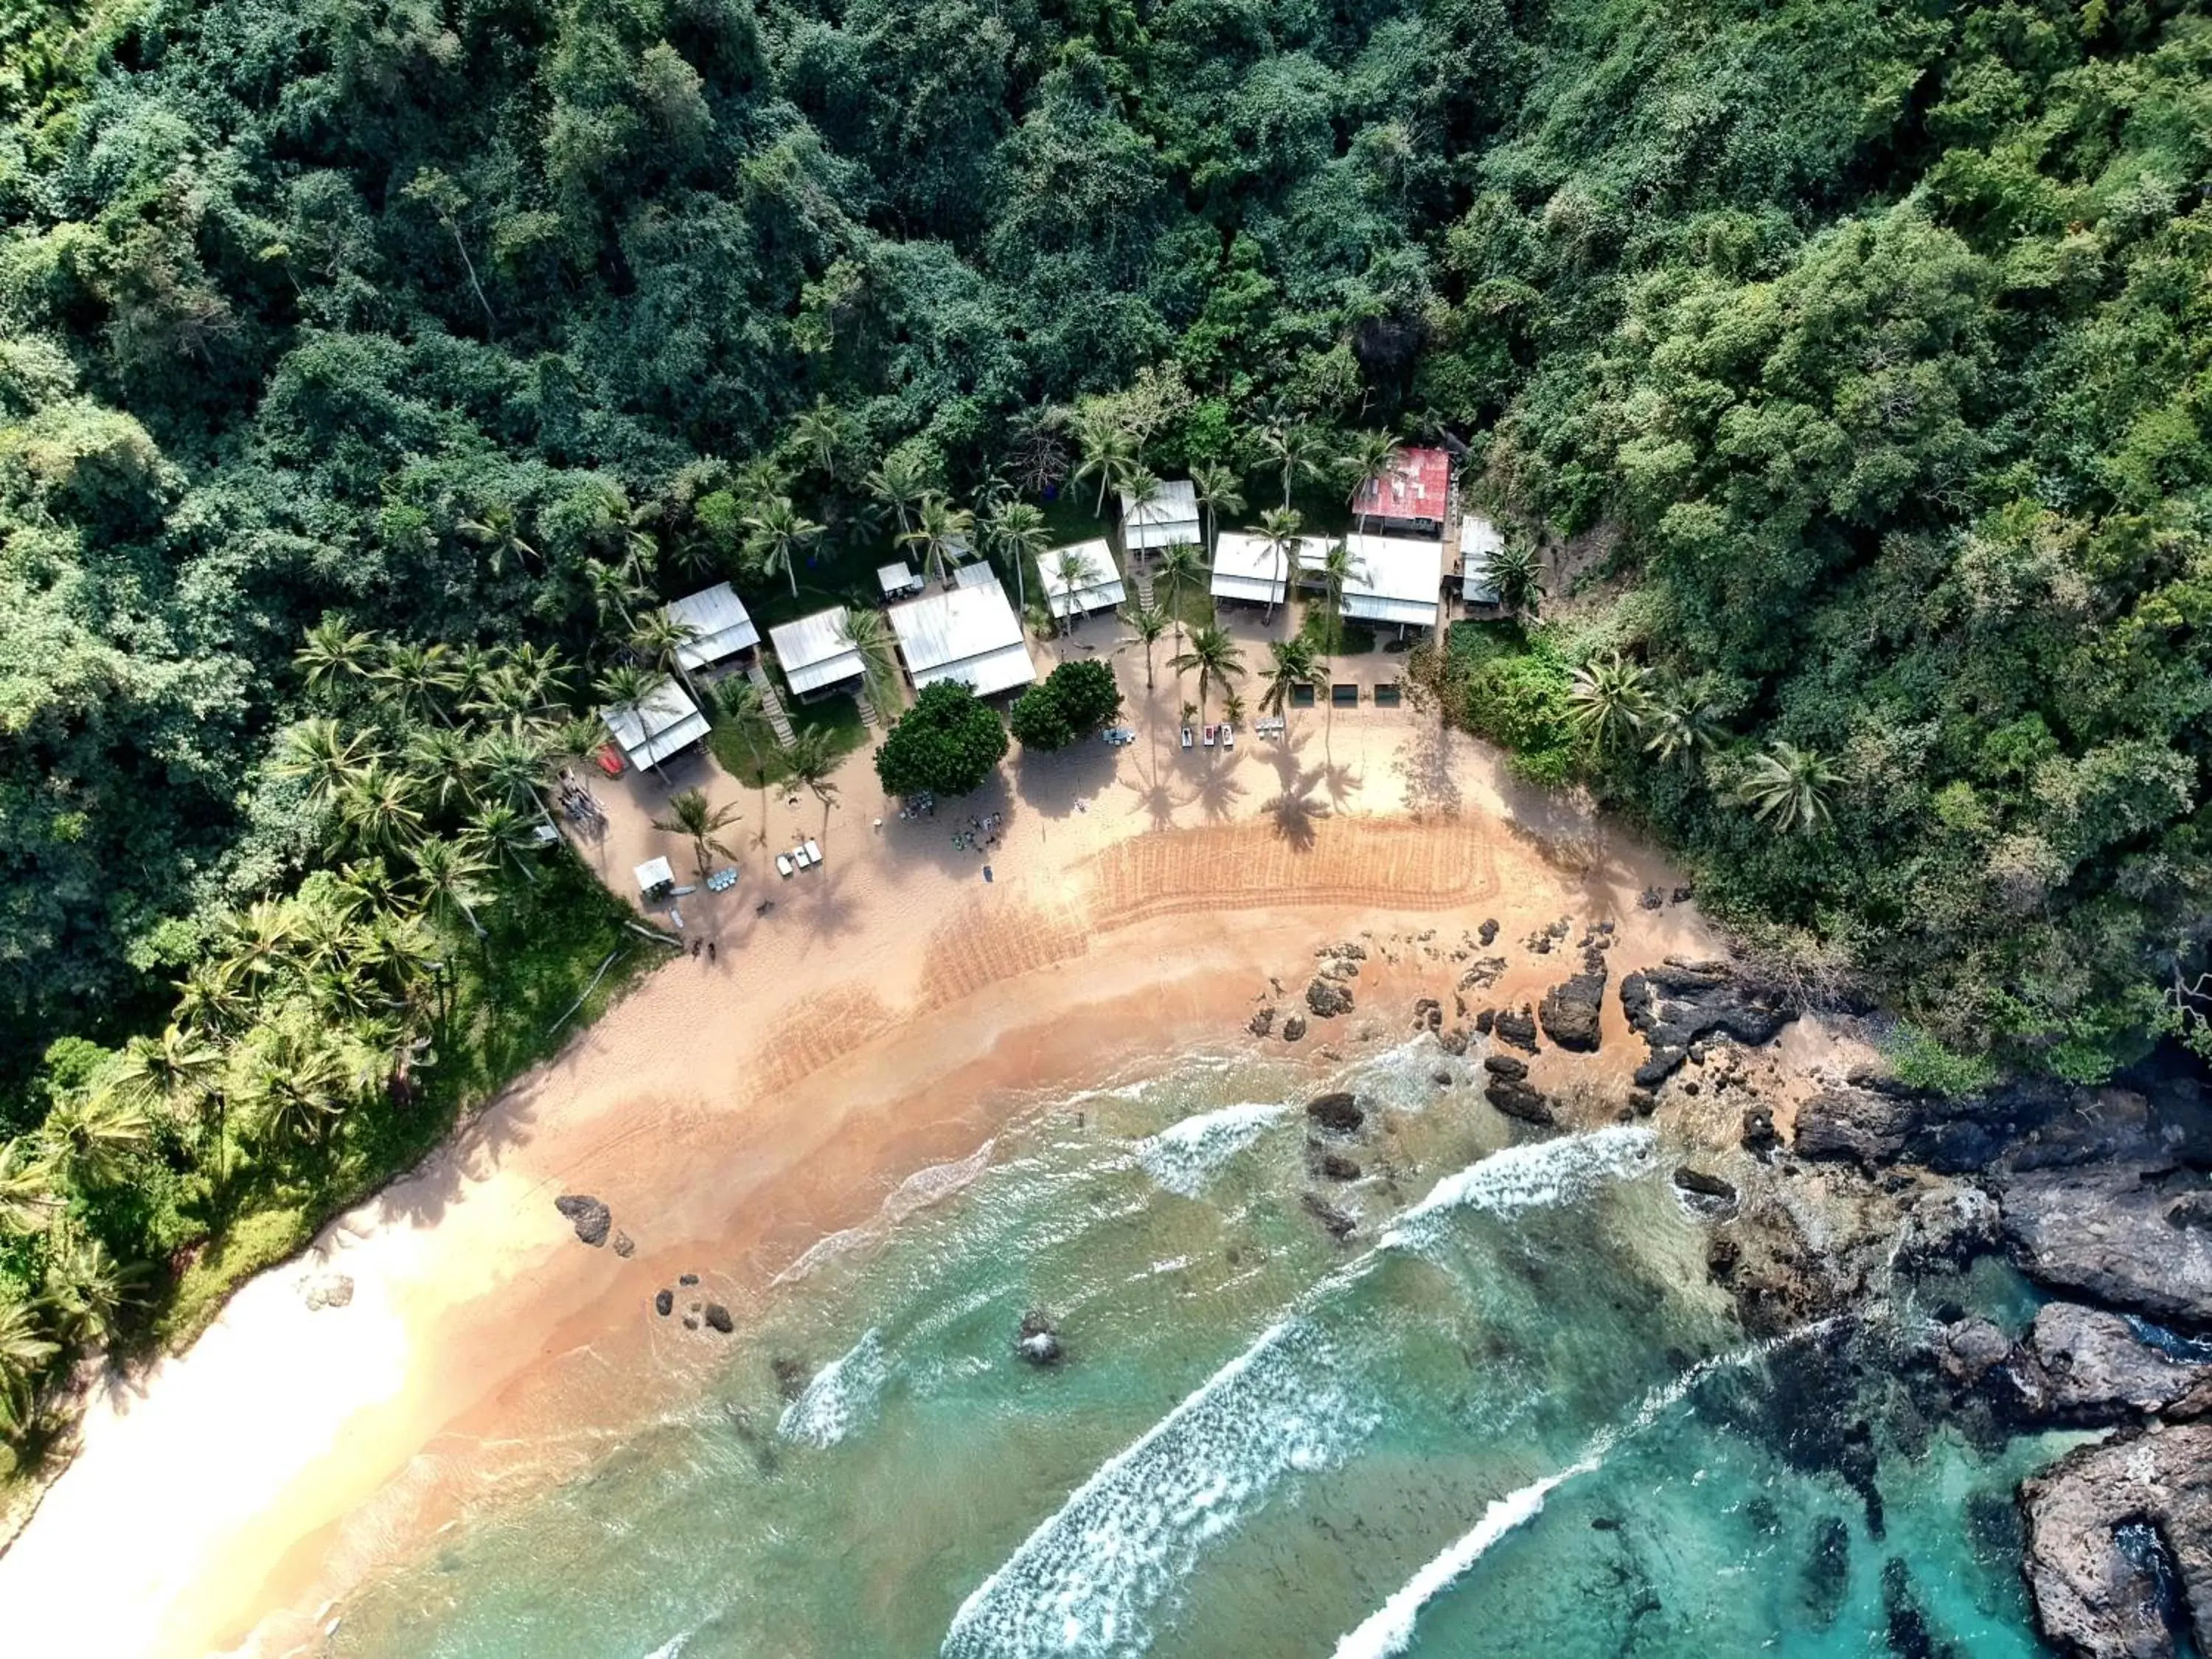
691 815
1220 493
1214 655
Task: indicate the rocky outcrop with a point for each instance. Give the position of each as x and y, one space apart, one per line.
1263 1021
717 1317
1570 1010
1702 1184
1340 1225
589 1218
624 1245
1039 1341
1326 998
1336 1166
1516 1026
663 1303
1294 1028
1680 1002
2116 1533
2086 1367
331 1291
1482 974
2015 1130
2120 1235
1507 1087
1337 1112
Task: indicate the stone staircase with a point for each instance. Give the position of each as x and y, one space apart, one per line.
1141 579
779 722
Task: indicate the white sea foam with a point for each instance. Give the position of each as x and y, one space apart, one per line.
672 1649
1086 1581
1183 1156
1541 1173
917 1192
841 1393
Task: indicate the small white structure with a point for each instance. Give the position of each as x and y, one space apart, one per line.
1169 517
658 727
815 653
1478 539
1249 567
977 575
968 632
897 580
654 872
1097 587
1395 578
719 627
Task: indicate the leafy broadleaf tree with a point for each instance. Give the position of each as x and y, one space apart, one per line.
947 743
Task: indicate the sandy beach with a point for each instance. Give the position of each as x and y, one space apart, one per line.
889 1009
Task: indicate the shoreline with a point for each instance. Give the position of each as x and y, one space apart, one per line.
732 1116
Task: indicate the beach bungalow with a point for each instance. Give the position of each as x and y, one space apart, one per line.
719 627
1478 539
665 723
1248 568
1097 587
1396 579
1413 497
967 632
817 659
1169 517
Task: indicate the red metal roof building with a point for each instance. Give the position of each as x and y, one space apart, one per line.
1413 495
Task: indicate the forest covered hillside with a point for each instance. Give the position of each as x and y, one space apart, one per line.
1847 359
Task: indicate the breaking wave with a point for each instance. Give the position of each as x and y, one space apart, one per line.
1183 1156
840 1394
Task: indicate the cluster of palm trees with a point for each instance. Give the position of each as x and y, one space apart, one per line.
1615 701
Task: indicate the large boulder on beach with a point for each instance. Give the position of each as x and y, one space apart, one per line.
717 1317
591 1218
1515 1026
1338 1112
1506 1087
1570 1010
1680 1002
2117 1533
1326 998
2121 1235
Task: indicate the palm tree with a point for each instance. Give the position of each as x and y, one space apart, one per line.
212 997
864 633
502 834
943 532
499 532
1181 573
1518 575
1292 663
1221 494
615 590
318 750
1278 529
258 940
1139 487
576 741
1073 570
745 712
899 484
689 814
414 679
1610 698
1215 656
811 756
820 431
443 758
1682 727
295 1076
660 639
171 1073
378 810
449 878
778 531
1107 453
1337 569
24 1352
91 1137
1146 622
1372 457
540 674
512 758
28 1199
1788 786
83 1288
333 654
1016 532
1299 451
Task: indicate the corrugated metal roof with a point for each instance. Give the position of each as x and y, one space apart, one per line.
995 671
814 652
718 617
1169 517
968 634
1099 587
1396 578
1246 567
659 726
1417 488
896 579
978 575
1478 539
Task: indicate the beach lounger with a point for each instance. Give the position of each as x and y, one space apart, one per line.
1228 735
1186 737
1209 735
783 865
813 851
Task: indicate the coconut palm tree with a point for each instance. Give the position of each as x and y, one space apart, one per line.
615 591
541 677
171 1073
777 530
28 1199
1788 787
320 752
379 810
416 679
820 431
811 756
1073 571
1016 532
1338 569
443 760
1518 575
502 834
91 1137
1139 487
511 759
660 639
1609 698
212 997
1297 451
1146 623
498 532
294 1078
1215 656
334 655
84 1289
1181 573
864 633
1221 494
691 815
744 714
576 741
25 1350
899 484
1109 452
943 532
449 878
1372 457
1682 727
1278 529
1292 663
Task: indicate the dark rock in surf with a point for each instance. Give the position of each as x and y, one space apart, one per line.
1505 1066
1455 1041
1334 1166
1515 1097
1826 1574
1487 933
589 1218
1680 1002
1759 1137
1340 1225
663 1303
2104 1233
687 1280
1039 1341
1338 1112
2086 1367
1697 1182
719 1316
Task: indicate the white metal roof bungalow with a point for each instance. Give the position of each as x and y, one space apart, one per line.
1246 566
719 626
1099 587
1478 539
969 633
815 653
660 725
1169 517
1395 578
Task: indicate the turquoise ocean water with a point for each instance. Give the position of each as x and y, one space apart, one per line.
1509 1415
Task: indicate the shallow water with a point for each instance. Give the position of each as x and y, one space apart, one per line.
1509 1415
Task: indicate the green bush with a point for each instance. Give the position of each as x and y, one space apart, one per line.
1518 698
1071 702
946 744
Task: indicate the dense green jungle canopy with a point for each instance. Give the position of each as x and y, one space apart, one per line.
1849 357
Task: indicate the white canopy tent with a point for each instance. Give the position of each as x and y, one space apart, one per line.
969 633
896 579
1396 579
1169 517
1246 566
658 727
1099 587
719 626
1478 539
814 653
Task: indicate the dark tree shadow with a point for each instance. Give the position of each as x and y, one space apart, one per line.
1052 783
